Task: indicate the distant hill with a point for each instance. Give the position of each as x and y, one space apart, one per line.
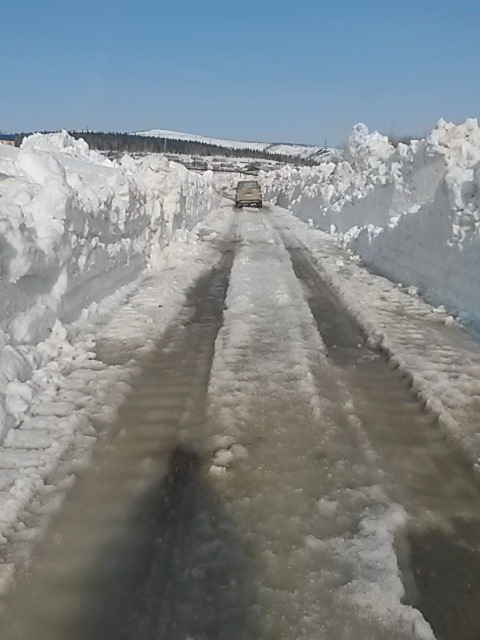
185 144
304 151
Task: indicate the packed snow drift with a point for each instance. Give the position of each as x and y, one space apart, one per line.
411 211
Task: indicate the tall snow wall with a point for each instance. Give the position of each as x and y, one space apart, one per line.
74 227
410 212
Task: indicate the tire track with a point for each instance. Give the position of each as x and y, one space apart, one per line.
117 561
435 482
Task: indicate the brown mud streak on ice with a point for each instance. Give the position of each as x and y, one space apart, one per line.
125 558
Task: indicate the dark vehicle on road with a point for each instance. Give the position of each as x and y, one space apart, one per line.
248 194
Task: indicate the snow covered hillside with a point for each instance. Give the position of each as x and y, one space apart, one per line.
411 212
282 148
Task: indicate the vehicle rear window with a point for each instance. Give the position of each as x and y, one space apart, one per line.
251 183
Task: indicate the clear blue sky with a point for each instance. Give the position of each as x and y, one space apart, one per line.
275 70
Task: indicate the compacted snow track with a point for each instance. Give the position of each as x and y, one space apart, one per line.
269 477
131 517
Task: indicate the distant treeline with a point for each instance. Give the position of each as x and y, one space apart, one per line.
130 143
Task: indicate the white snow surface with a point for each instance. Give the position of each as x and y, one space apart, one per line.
283 148
411 212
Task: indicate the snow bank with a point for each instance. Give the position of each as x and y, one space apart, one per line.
175 199
74 228
62 142
411 212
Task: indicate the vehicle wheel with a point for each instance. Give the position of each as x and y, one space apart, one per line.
260 205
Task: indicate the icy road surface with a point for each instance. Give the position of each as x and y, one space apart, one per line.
270 476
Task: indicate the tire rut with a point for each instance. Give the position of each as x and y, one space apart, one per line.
434 481
118 555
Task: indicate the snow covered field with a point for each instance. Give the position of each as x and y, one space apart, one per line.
285 149
411 212
326 460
